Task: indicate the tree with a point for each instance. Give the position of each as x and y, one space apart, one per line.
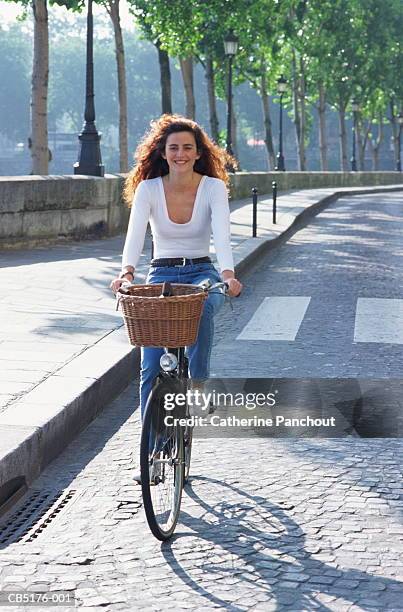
40 72
144 12
169 24
186 64
211 23
209 75
349 41
38 140
392 69
112 7
191 32
376 111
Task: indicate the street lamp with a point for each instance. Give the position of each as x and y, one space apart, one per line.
399 142
89 156
355 108
230 49
281 88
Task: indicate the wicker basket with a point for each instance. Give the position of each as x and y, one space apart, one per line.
157 321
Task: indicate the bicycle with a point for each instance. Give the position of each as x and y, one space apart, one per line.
166 436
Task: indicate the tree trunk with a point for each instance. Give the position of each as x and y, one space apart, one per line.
297 114
234 135
359 144
302 106
271 156
395 130
39 101
362 140
375 144
186 65
165 76
295 99
113 10
343 138
375 158
214 127
322 129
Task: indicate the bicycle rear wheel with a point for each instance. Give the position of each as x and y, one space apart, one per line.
162 463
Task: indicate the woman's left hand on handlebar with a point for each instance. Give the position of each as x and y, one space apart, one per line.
234 287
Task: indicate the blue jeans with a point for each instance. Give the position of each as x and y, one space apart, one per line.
199 353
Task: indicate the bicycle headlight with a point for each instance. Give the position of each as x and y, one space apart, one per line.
168 362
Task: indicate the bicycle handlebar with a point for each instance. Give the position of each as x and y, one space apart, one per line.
205 285
208 285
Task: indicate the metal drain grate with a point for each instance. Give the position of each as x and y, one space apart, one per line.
33 514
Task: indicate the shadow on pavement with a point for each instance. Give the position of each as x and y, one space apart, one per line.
107 248
255 533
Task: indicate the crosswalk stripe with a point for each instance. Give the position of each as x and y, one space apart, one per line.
379 320
277 318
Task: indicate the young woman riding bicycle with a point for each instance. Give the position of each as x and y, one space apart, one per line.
179 185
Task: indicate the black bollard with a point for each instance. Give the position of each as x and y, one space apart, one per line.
274 188
254 218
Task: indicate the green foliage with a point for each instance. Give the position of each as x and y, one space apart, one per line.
348 46
353 48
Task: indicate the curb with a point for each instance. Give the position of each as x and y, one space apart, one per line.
35 430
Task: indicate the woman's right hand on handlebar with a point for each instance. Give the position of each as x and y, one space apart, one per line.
115 284
118 282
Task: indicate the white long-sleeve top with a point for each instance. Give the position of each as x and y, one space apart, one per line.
191 239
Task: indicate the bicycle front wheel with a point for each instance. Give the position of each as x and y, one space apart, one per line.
162 463
188 439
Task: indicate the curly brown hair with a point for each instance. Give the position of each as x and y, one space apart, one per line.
150 163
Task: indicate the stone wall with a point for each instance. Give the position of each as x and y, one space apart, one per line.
40 209
243 182
43 209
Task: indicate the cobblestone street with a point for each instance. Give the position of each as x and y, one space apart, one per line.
279 524
284 524
351 250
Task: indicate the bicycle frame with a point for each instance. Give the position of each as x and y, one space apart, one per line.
164 464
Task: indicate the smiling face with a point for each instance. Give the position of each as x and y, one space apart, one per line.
181 152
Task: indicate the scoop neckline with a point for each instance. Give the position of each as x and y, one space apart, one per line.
194 203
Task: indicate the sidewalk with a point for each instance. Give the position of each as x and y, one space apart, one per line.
63 351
